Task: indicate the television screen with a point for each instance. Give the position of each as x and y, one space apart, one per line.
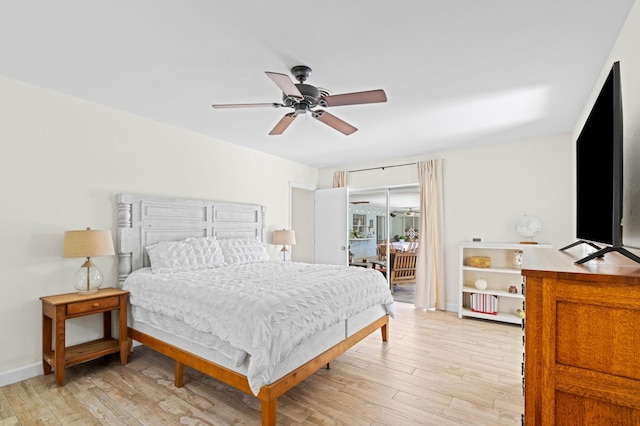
599 167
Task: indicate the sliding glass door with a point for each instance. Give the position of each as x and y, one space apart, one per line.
404 218
382 222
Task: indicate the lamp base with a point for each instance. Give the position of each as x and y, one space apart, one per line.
88 279
284 255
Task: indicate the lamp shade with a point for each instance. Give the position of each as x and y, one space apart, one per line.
284 237
87 243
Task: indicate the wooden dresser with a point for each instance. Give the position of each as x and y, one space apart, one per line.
582 339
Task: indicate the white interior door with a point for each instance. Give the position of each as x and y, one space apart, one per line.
330 231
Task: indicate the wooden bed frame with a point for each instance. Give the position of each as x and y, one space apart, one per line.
145 220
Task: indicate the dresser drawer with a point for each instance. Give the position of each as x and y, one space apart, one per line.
96 305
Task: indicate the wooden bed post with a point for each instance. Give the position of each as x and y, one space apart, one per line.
179 375
269 409
385 332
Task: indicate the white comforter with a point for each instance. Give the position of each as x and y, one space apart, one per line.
263 308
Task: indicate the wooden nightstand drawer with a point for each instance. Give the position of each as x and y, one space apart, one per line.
96 305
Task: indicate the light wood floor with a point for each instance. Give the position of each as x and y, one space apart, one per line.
435 370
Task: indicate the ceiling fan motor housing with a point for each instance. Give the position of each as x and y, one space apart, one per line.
310 97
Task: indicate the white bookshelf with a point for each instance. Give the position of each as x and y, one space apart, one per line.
502 274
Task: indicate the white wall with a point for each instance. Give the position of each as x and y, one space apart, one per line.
302 217
64 160
626 51
486 189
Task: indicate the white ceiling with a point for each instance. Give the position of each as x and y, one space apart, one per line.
456 72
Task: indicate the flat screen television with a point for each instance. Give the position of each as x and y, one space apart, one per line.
599 149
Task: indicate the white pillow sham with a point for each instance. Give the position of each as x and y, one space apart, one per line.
243 250
191 254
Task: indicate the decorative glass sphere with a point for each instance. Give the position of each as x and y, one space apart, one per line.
528 226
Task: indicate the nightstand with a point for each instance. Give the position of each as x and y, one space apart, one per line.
57 309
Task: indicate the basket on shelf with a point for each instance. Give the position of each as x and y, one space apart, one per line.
484 303
480 261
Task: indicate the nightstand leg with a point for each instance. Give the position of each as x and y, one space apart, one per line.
106 326
46 342
125 342
60 344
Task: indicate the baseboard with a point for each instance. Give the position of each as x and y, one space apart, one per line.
20 374
450 307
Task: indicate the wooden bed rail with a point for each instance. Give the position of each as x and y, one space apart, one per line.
268 394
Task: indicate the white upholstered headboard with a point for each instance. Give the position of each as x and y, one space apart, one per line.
144 220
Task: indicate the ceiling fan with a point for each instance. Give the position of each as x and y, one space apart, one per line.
303 98
409 212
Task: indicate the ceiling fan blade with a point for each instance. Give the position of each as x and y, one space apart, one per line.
283 124
368 97
266 104
285 84
333 121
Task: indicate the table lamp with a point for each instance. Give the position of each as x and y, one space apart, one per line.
284 237
88 243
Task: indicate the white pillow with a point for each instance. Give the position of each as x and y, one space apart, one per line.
191 254
168 256
210 251
243 250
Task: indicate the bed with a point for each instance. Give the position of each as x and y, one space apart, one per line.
296 318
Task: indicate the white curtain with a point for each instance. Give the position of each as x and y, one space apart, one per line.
430 285
340 179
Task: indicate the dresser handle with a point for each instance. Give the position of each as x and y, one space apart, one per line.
95 305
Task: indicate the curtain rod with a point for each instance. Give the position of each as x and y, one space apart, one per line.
383 167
